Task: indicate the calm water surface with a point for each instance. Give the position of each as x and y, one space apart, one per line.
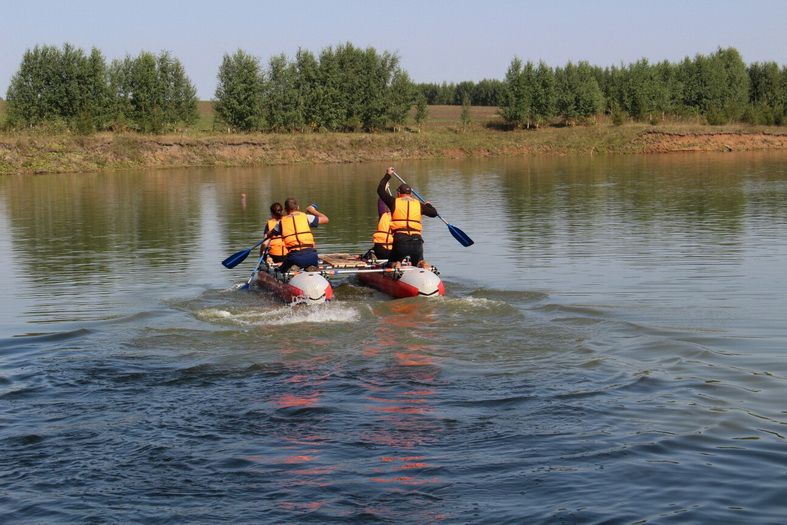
611 350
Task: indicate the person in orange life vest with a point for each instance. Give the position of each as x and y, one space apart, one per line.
275 247
406 212
295 230
382 237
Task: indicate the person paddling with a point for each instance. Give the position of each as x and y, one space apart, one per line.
295 230
275 247
405 225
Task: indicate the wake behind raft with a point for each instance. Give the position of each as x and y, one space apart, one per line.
314 287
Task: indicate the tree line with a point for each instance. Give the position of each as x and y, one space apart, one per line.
346 88
719 87
487 92
79 91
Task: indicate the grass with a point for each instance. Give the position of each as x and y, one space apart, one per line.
440 136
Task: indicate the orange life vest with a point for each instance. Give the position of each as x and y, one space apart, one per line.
406 216
383 234
295 231
276 246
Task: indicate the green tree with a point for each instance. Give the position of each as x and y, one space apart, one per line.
400 100
421 110
766 94
281 106
464 89
308 87
516 98
544 94
578 92
59 85
716 86
330 104
465 116
179 96
152 94
239 92
487 92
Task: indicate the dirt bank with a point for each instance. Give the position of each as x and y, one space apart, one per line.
35 153
667 142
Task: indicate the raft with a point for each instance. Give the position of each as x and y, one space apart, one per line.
407 281
298 287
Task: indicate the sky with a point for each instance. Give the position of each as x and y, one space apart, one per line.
437 40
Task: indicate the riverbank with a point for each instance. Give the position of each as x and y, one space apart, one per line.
31 153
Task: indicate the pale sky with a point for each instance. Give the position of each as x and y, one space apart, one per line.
436 40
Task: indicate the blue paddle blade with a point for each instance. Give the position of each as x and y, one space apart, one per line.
460 236
236 258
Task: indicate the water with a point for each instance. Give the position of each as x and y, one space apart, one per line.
611 350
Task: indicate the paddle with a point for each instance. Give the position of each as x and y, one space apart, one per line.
236 258
458 234
247 284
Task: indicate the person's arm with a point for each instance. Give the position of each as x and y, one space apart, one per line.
265 240
428 210
321 217
387 198
276 230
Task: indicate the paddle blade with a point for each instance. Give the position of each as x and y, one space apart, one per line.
460 236
236 258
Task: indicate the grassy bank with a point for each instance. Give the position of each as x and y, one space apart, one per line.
442 136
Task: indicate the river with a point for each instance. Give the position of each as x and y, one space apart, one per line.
612 349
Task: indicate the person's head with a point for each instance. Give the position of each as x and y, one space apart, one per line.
276 210
291 205
404 190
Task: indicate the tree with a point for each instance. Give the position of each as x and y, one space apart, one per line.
308 85
487 92
151 93
516 99
421 110
239 91
544 94
766 94
578 92
59 85
465 116
179 96
464 89
400 100
330 102
281 107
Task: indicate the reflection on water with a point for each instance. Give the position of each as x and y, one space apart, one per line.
611 349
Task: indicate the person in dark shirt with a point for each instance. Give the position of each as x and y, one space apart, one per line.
406 213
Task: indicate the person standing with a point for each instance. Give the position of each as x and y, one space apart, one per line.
405 225
295 230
